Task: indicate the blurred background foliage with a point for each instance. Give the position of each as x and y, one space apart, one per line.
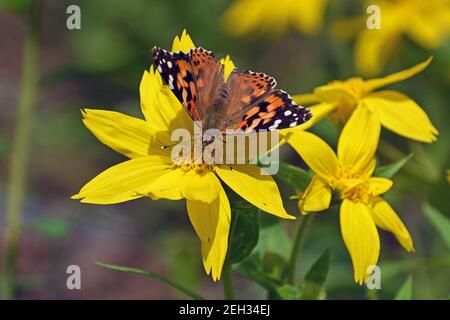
100 66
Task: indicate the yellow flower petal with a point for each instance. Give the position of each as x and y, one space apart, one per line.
308 15
317 196
203 187
370 169
260 190
402 115
192 185
318 111
360 237
426 32
273 18
386 218
167 186
184 43
127 135
336 93
345 186
378 185
376 83
253 17
373 48
359 139
315 152
125 181
305 99
211 222
228 66
161 107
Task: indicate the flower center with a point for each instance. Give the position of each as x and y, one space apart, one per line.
187 160
198 168
358 193
355 86
351 185
346 101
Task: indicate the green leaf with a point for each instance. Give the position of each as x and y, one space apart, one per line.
51 227
319 270
313 286
405 292
153 276
395 268
267 262
439 221
288 292
390 170
294 176
244 230
252 269
274 264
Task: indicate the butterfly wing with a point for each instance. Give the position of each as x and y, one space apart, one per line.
194 77
247 101
254 104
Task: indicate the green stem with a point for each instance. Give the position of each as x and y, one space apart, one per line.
372 294
298 240
19 154
227 282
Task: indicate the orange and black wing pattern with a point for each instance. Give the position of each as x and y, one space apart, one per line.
254 104
193 77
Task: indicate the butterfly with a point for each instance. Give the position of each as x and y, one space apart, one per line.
247 101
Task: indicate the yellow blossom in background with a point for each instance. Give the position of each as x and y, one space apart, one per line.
228 66
396 111
248 17
349 174
425 22
151 171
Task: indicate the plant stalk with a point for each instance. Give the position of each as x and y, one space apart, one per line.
296 247
227 282
21 143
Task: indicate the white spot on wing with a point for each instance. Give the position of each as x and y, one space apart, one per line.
171 81
169 64
287 112
293 124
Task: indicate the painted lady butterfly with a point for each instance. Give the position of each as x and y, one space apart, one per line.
245 101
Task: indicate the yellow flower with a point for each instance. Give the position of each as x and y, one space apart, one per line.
151 171
396 111
349 174
425 22
274 17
